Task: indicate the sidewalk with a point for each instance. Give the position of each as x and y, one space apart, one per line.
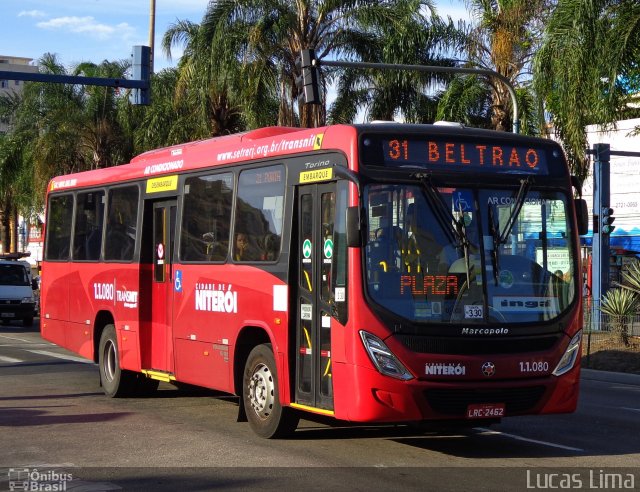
611 377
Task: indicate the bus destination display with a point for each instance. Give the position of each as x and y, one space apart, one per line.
463 156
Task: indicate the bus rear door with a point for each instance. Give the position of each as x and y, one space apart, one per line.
316 218
161 347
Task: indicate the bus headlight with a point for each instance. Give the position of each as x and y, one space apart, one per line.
383 358
570 356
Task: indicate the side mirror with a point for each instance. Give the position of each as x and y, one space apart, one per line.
354 239
34 284
582 216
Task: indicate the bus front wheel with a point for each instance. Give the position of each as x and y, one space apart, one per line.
266 415
115 382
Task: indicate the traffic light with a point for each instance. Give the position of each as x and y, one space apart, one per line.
307 78
140 70
606 219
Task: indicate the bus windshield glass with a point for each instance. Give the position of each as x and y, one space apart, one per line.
469 255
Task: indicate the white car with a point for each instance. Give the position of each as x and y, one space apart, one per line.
17 299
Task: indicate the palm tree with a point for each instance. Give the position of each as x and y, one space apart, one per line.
205 98
587 68
60 129
101 135
39 123
504 39
14 187
266 36
402 33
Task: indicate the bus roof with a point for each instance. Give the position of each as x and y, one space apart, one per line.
256 144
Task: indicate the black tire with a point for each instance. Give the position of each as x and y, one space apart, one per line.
266 416
27 321
115 382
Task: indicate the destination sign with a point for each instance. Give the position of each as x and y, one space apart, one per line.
457 156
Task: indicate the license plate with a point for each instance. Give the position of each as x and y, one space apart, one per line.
7 315
485 410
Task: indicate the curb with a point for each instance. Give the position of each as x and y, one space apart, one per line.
610 377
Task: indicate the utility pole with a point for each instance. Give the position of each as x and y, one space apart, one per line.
601 200
152 34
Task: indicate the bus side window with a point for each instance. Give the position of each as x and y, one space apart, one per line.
339 264
59 217
259 211
206 217
121 223
87 236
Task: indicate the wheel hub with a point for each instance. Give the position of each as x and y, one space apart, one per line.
262 391
109 361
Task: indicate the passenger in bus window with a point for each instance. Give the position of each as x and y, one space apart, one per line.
240 250
271 247
421 249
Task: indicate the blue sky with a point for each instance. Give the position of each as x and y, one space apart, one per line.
95 30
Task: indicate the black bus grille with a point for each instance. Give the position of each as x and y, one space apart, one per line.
471 346
455 401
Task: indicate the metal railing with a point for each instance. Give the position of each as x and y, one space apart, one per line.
610 342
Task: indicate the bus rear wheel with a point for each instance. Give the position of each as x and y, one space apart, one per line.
115 381
265 414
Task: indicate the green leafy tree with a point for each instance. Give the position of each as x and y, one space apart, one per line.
404 32
503 38
587 69
15 192
206 100
102 138
59 129
265 37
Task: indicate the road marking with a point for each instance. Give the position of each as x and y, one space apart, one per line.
490 432
629 388
20 339
630 409
61 356
9 360
31 345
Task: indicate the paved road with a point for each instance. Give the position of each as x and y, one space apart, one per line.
55 419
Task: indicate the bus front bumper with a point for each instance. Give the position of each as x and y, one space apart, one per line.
372 397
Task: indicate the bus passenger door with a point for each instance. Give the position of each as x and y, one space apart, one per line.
164 224
316 216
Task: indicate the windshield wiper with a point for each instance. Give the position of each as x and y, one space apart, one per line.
525 185
440 210
500 238
496 244
454 228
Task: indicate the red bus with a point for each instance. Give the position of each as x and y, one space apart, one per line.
372 273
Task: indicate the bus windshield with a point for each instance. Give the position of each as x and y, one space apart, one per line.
469 255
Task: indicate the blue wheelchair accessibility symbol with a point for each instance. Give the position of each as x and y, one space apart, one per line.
177 283
462 201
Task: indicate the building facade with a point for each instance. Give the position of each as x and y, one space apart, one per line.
624 182
13 64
